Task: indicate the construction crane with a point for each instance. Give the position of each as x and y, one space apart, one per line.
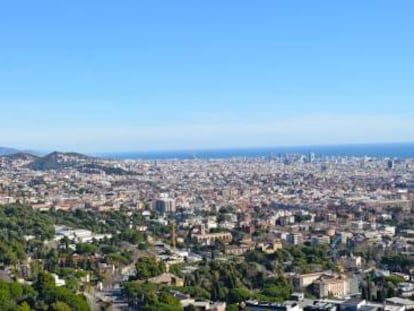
173 234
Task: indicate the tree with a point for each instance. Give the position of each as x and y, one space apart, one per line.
45 281
62 294
168 299
176 270
60 306
86 249
197 292
13 293
279 288
24 306
232 307
72 283
117 259
148 267
394 279
237 295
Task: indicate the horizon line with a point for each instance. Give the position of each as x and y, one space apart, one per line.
296 146
203 149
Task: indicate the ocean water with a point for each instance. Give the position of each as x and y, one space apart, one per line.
400 150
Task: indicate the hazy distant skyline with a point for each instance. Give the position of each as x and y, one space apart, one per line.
101 76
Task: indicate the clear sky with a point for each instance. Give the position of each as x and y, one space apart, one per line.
132 75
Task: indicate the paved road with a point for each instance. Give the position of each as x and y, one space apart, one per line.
93 304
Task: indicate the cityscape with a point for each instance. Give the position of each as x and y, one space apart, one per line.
220 155
286 232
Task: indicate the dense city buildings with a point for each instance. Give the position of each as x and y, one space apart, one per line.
329 228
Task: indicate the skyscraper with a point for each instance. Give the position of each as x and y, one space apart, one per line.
164 205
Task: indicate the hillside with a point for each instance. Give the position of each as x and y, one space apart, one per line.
58 160
7 151
23 156
83 163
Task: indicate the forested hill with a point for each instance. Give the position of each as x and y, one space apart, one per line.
7 151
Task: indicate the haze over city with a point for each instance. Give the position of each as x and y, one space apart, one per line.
100 76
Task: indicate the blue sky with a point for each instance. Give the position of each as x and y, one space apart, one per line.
99 76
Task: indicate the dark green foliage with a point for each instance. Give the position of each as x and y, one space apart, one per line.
232 307
60 306
52 161
148 267
176 270
44 282
197 292
278 288
16 221
86 248
118 259
132 236
237 295
394 279
13 293
56 294
301 259
82 219
148 297
14 296
168 299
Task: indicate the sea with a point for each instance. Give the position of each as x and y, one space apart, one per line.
394 150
